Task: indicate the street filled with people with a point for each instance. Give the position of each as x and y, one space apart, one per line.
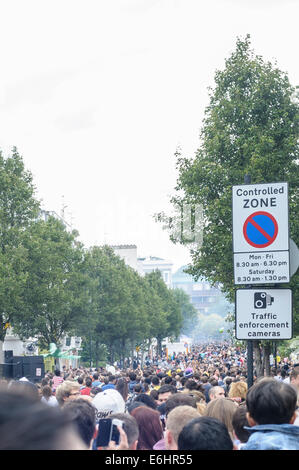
198 400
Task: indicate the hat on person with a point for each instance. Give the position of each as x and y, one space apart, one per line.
188 372
108 402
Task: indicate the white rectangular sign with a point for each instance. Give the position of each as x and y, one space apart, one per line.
262 268
260 217
263 314
261 233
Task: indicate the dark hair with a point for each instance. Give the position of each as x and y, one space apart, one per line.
130 426
271 401
155 380
190 384
57 372
294 373
122 387
204 433
95 390
239 420
132 376
88 382
47 391
83 415
166 389
146 400
154 394
80 380
179 399
112 378
150 429
168 380
134 404
137 388
95 376
26 424
26 388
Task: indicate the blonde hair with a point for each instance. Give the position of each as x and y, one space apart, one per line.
238 389
222 409
178 418
64 390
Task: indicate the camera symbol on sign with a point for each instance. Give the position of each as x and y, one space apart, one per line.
262 300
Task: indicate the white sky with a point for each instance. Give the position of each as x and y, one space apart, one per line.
98 94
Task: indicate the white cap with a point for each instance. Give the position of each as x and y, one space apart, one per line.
108 402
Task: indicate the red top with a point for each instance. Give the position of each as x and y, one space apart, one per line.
85 391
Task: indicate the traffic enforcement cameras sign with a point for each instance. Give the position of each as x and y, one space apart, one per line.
261 233
263 314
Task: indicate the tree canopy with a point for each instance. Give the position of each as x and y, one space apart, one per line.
250 128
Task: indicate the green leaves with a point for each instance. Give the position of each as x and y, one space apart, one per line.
250 127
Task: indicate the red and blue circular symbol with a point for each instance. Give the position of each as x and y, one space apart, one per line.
260 229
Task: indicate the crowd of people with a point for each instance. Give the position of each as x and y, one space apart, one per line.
194 401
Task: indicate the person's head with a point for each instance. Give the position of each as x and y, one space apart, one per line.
88 382
179 399
147 400
204 433
83 414
294 378
69 390
94 391
80 380
150 427
132 376
108 402
95 376
176 420
112 379
222 409
47 392
130 427
137 389
155 380
216 392
165 392
239 421
168 380
271 401
122 387
26 388
238 390
57 372
26 424
191 384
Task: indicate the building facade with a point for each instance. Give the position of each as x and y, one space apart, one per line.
202 295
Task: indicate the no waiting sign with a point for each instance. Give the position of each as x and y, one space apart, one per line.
261 233
260 217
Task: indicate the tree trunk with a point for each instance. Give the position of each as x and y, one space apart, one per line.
258 359
159 347
97 352
266 359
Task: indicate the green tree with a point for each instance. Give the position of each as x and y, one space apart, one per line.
117 315
166 317
250 127
189 312
18 209
51 295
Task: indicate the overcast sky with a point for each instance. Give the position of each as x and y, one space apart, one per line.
98 94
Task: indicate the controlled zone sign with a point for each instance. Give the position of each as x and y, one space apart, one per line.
263 314
261 233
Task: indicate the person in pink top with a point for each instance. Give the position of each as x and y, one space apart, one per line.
57 380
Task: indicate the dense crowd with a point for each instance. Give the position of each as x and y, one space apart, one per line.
194 401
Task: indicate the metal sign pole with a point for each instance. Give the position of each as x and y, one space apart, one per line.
247 180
